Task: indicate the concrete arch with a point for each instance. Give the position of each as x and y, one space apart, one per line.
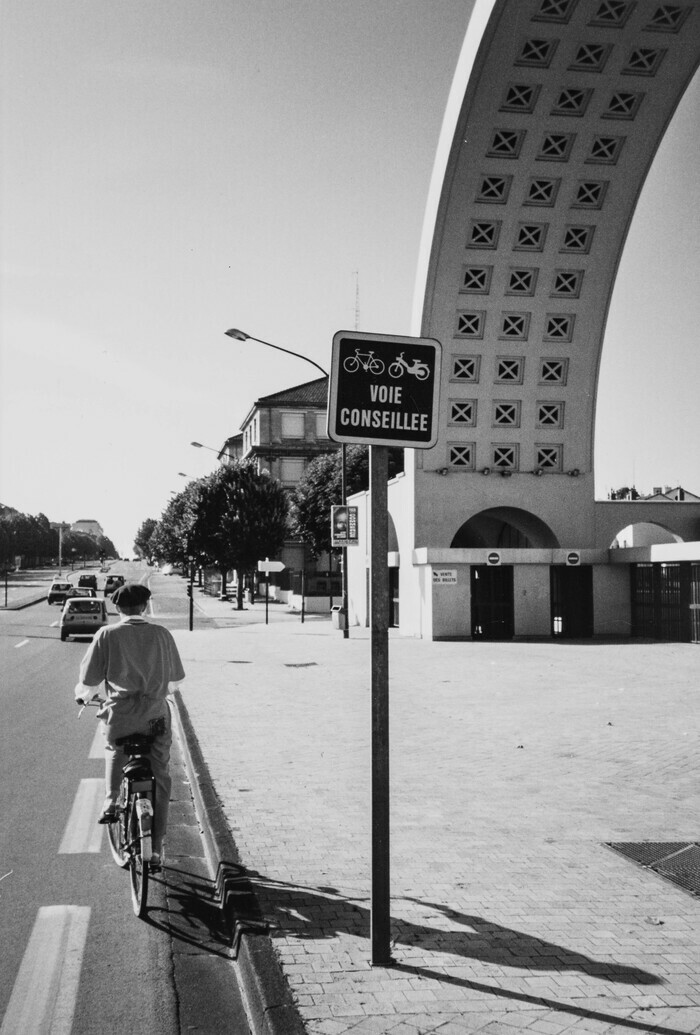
556 112
644 533
504 528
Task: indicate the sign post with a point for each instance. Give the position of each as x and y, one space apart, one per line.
62 527
383 391
267 566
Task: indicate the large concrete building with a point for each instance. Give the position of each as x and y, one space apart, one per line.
556 112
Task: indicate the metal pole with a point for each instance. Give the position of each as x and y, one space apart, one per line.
303 590
343 493
267 593
191 594
379 640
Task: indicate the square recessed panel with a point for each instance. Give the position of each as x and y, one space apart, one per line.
465 368
577 239
559 11
530 237
537 53
493 190
553 371
461 455
505 143
509 370
484 233
612 14
668 18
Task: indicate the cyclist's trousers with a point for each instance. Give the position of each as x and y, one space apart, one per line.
116 759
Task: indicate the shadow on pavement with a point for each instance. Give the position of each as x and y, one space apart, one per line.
192 914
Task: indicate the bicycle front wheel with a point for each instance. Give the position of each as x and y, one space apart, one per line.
138 869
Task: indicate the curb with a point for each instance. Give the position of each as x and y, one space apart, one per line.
17 605
271 1008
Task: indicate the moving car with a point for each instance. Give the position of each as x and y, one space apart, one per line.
58 591
82 616
113 582
88 580
81 591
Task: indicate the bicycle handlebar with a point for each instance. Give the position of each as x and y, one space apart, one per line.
94 702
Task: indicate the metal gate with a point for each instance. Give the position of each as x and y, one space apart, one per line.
492 602
571 598
666 601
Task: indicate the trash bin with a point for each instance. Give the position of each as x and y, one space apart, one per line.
337 617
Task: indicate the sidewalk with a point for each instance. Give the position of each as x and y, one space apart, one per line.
512 765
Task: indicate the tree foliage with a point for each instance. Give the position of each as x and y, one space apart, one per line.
142 542
31 537
320 488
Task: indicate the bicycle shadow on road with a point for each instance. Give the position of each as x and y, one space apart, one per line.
192 913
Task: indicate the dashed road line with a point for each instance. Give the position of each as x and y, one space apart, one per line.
83 833
21 643
45 991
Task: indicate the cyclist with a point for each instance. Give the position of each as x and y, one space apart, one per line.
139 664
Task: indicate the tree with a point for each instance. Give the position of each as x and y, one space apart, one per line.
241 517
320 488
142 541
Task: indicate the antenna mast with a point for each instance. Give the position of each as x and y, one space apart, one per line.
356 275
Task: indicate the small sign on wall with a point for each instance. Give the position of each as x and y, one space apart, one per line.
573 558
493 558
444 576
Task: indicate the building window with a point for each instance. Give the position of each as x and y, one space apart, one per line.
461 455
470 324
590 57
291 470
550 414
506 143
590 194
506 414
530 237
612 13
643 61
505 456
321 425
537 53
465 368
553 371
567 283
522 282
494 190
509 370
476 280
484 234
515 325
623 105
578 239
559 327
292 425
520 97
463 412
548 458
542 192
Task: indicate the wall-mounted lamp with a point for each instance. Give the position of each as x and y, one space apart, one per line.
575 473
538 472
506 474
486 470
442 470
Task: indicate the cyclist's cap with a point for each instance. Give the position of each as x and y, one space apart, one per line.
132 594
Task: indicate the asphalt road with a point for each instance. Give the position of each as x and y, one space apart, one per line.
74 955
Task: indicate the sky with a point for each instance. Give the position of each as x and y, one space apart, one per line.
170 170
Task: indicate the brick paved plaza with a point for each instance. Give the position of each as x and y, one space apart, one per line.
512 764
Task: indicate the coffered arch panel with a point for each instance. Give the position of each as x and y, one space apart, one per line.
557 110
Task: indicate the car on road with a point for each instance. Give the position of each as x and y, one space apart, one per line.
82 616
88 580
58 591
113 582
81 591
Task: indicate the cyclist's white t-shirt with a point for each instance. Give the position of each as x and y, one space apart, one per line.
139 664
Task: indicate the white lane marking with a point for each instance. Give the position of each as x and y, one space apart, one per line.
45 991
53 624
21 643
98 744
83 833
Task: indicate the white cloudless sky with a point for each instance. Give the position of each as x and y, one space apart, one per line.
170 170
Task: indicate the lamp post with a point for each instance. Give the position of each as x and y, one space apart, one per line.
239 335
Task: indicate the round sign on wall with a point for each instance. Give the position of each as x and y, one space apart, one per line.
493 558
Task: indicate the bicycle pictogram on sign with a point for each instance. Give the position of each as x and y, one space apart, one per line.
366 361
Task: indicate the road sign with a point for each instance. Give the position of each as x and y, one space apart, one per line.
384 390
493 558
344 526
268 566
573 558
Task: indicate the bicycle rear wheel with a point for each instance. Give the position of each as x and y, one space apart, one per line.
117 841
138 869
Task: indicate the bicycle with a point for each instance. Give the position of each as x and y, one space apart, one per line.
367 360
130 833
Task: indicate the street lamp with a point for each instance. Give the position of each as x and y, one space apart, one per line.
239 335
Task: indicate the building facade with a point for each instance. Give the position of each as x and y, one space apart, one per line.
556 112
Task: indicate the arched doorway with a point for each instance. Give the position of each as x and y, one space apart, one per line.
504 528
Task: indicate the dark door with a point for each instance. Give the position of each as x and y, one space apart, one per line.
695 603
571 596
492 602
393 597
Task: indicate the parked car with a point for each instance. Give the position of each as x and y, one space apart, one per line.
82 616
58 591
113 582
88 580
